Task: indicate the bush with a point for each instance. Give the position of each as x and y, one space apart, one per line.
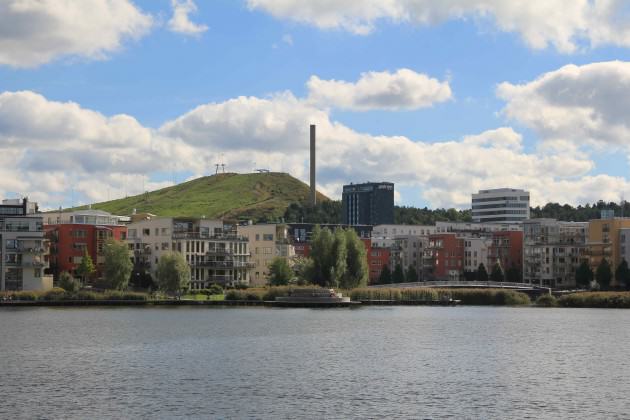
546 300
118 295
596 300
251 294
55 294
26 295
215 289
467 296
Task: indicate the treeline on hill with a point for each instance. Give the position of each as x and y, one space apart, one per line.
580 213
330 212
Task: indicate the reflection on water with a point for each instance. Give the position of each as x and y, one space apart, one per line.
420 362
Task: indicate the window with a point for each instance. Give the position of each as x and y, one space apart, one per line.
78 234
123 236
258 236
131 233
164 246
267 250
157 231
146 232
12 243
164 231
268 237
79 246
37 272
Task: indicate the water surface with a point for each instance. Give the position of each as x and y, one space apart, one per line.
374 362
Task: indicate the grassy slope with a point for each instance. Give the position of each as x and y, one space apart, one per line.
228 196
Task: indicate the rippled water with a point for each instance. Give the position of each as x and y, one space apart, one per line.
404 362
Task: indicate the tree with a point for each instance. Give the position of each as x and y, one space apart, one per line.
411 275
68 283
386 275
583 275
303 269
399 275
280 272
622 274
86 268
482 274
497 273
339 258
173 273
603 274
356 262
118 266
513 274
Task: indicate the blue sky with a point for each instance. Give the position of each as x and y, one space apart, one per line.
262 50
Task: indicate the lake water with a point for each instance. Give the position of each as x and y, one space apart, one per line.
375 362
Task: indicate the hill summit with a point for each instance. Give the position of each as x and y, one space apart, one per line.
229 196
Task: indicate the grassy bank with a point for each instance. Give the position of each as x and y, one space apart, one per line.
596 300
466 296
58 294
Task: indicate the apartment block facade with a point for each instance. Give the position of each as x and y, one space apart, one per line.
266 242
23 248
604 241
214 253
552 251
72 234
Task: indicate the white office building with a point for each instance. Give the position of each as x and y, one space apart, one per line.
502 205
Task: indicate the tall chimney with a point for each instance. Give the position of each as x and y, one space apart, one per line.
313 190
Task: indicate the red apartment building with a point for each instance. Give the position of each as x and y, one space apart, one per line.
445 256
72 234
378 258
506 248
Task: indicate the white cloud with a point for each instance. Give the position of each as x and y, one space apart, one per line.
36 32
575 104
403 89
48 149
565 25
180 22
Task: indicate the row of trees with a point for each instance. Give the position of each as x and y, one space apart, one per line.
337 259
173 272
497 274
603 274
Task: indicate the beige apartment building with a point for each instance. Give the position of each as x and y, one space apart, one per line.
604 241
215 254
23 249
266 241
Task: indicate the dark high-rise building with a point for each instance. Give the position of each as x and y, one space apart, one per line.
371 203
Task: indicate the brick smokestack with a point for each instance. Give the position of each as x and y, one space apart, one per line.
313 190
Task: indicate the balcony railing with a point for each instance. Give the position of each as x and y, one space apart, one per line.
223 264
200 235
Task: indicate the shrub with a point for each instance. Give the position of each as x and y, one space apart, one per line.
25 295
251 294
546 300
54 294
596 300
215 289
467 296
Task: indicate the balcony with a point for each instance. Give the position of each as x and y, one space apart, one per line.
223 264
200 235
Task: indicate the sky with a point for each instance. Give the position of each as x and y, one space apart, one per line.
100 99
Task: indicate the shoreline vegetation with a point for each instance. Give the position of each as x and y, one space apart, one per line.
371 296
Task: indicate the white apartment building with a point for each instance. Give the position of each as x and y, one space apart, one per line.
215 255
624 244
502 205
467 227
552 251
266 241
23 249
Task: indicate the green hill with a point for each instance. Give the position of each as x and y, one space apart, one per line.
230 196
